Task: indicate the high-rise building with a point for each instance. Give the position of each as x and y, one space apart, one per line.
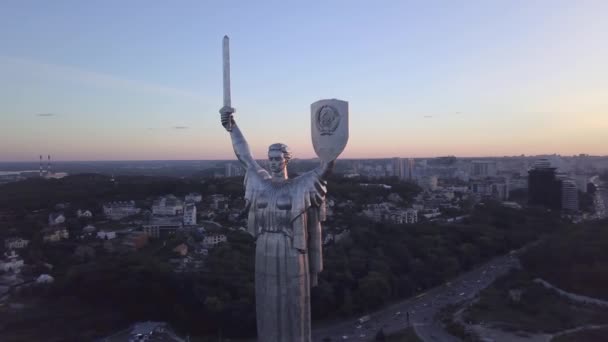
356 166
398 170
228 172
543 186
496 188
411 216
483 168
233 170
409 168
569 195
582 181
189 214
403 168
168 206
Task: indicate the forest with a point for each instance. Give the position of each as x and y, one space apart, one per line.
377 264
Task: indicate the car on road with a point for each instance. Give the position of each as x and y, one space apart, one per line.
364 319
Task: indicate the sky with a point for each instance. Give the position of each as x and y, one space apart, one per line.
138 80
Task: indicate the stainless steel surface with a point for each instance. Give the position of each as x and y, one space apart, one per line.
226 69
227 110
329 128
285 217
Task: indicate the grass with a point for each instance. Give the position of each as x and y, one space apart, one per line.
406 335
60 320
538 310
589 335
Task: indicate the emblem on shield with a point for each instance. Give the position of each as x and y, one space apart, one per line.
329 128
328 120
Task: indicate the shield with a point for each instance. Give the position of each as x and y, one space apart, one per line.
329 128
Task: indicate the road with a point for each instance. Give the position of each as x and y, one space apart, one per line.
422 308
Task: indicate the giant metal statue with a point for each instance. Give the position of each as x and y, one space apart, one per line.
285 217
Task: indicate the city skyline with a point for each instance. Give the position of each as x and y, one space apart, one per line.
118 81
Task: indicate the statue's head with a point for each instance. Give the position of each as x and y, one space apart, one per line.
278 157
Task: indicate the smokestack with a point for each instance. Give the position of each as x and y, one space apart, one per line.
41 165
48 167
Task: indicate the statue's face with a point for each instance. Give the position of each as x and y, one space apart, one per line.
276 161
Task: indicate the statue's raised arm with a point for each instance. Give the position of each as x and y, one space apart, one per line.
239 144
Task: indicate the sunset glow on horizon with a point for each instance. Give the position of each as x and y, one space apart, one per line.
132 81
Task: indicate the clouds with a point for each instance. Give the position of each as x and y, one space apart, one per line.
180 127
93 78
45 115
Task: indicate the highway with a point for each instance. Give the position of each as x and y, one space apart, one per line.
422 308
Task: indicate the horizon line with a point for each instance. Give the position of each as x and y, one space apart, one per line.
314 158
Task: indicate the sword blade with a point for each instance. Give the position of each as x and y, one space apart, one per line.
226 63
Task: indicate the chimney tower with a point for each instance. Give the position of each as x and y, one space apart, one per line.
48 167
41 165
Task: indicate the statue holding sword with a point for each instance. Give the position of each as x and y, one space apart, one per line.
285 215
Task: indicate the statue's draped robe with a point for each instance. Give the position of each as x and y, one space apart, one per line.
285 216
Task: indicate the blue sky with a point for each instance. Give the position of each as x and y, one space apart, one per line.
142 79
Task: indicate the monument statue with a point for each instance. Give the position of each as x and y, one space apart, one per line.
285 215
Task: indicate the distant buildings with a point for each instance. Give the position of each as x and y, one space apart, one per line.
233 170
15 243
548 188
88 230
582 182
11 262
569 195
398 168
386 212
411 216
106 234
145 331
211 241
84 213
119 210
428 182
219 202
496 188
9 177
518 183
135 241
409 169
189 214
403 168
168 206
56 219
162 226
194 197
55 234
543 186
483 169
